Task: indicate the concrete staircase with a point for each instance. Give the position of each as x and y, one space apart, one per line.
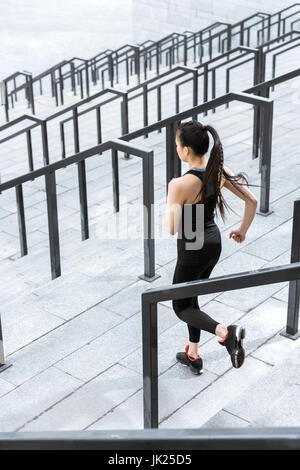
75 342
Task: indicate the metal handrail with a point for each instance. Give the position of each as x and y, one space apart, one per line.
92 62
144 88
262 88
180 440
79 157
257 143
258 277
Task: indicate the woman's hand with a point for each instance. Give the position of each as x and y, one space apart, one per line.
238 235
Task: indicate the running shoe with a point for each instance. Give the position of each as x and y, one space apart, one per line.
234 344
195 364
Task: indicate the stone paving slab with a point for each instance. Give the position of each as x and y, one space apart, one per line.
24 321
267 392
59 343
90 360
206 404
33 397
172 393
81 408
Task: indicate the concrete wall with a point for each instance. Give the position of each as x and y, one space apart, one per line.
156 18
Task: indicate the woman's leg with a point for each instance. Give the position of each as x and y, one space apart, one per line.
194 333
188 309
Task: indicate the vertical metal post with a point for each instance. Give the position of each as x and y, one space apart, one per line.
62 140
210 45
173 163
150 60
102 79
124 119
150 364
205 86
27 92
242 33
177 161
117 67
159 105
115 179
148 207
53 224
145 107
227 85
248 37
29 150
52 79
81 181
170 57
4 97
177 98
169 154
31 95
185 50
45 142
98 125
61 86
267 120
137 65
279 25
269 29
55 85
73 81
259 77
291 330
213 86
127 71
15 86
195 92
110 69
87 79
81 85
229 37
157 58
145 64
194 48
21 219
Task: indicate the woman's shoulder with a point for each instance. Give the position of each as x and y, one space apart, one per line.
184 181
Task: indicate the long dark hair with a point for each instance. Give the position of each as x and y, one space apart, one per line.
195 135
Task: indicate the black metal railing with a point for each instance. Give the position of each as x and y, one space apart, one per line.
146 88
109 61
173 163
151 297
79 158
279 438
171 44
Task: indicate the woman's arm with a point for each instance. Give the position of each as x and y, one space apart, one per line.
251 202
175 201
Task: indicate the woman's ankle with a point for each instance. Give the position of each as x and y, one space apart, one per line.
221 331
193 349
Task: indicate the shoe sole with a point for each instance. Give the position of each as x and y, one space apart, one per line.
238 357
193 369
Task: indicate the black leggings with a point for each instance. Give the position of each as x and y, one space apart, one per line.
188 309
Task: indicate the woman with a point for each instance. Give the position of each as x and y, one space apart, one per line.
202 184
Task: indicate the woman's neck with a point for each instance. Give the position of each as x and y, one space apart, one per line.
200 164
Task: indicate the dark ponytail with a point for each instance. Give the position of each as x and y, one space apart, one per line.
193 134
